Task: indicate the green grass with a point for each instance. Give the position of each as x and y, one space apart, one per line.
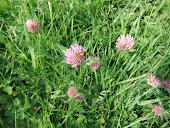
34 78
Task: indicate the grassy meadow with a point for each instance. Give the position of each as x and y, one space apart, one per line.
35 78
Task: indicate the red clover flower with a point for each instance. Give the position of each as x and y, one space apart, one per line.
125 43
75 56
32 26
156 109
166 84
153 80
72 92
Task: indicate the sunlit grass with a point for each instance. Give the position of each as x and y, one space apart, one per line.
34 78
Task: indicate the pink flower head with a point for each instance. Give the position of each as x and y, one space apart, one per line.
124 43
72 92
75 56
156 109
80 97
93 65
166 84
32 26
153 80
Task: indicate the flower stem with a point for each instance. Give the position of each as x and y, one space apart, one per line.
118 58
96 77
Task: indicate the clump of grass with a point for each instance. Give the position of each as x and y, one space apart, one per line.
34 77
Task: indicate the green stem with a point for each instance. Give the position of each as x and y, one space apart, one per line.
118 58
153 121
96 77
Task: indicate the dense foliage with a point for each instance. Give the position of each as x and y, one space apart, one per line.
34 77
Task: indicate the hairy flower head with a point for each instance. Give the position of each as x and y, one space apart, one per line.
166 84
32 26
156 109
72 92
75 55
125 43
153 80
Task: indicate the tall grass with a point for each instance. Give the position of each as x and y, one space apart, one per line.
34 77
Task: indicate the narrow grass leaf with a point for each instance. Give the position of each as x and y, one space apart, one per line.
158 8
60 61
132 79
80 109
25 57
26 105
39 50
137 121
146 102
93 61
61 49
1 122
46 74
80 119
32 56
165 125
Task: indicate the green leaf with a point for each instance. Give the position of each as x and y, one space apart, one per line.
10 112
25 57
39 50
8 90
158 8
40 124
3 99
26 105
32 56
137 125
56 94
61 49
137 121
17 3
124 114
80 119
160 93
164 125
102 121
132 50
80 109
17 102
146 102
20 114
93 61
1 122
20 26
60 61
132 79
